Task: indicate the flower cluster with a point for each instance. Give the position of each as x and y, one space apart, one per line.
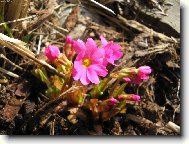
83 63
91 61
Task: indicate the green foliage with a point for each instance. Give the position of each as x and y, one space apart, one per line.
98 90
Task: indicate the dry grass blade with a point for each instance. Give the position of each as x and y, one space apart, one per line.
15 45
20 48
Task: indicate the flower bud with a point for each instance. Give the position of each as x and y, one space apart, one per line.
69 40
68 48
135 97
127 79
52 52
113 101
144 71
131 97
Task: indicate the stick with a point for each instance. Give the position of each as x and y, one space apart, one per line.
9 73
12 63
173 127
18 20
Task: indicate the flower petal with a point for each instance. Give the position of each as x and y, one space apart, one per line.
92 76
117 55
91 47
97 53
84 80
77 71
115 47
79 46
103 41
100 69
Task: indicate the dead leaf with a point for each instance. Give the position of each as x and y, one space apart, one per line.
72 18
23 89
13 106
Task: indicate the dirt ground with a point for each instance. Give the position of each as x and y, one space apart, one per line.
149 33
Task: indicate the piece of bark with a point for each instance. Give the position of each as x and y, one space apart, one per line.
13 106
72 18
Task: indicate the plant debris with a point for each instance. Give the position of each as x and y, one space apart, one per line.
147 35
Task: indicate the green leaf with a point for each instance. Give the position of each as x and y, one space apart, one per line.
98 90
52 92
58 82
120 90
42 75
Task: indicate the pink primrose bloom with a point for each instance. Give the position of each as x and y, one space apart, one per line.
88 64
111 51
52 52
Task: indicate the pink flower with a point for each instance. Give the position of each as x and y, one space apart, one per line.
111 51
88 64
135 97
52 52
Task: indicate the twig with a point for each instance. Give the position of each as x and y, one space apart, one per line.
9 73
173 127
39 44
45 15
52 127
142 28
12 63
18 20
102 6
142 121
57 28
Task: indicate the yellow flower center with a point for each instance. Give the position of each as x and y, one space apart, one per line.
86 62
